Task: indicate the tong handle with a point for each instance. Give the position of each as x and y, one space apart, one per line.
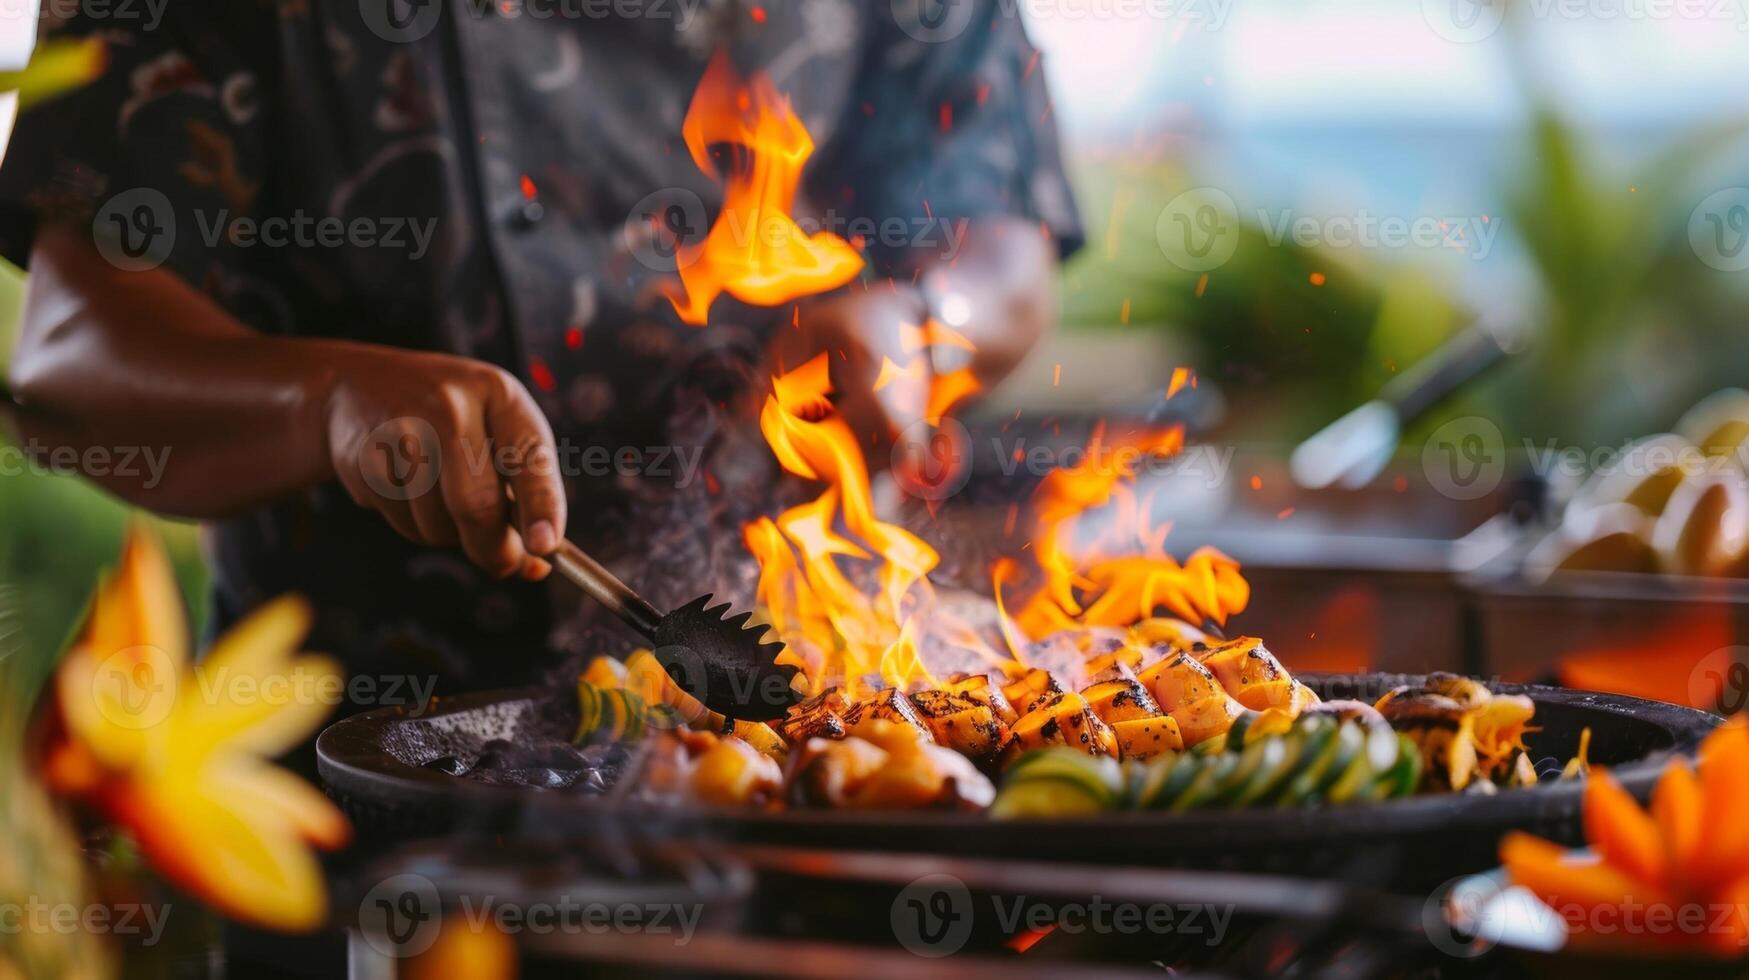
604 587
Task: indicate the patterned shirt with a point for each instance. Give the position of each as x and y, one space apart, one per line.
506 180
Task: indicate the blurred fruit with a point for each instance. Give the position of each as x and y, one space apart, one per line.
1646 474
1609 538
1704 530
1719 424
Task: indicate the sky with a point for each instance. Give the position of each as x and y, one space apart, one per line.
1115 64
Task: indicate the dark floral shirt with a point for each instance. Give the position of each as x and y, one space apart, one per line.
505 179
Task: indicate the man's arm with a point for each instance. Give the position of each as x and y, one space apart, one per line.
113 359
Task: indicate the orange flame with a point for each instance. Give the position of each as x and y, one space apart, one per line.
1121 573
807 595
1100 562
755 251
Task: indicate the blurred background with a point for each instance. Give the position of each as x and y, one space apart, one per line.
1563 154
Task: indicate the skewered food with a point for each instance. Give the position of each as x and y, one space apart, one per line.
1323 757
1168 719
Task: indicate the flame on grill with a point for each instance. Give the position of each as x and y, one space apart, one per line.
1102 562
755 251
858 633
1098 560
848 593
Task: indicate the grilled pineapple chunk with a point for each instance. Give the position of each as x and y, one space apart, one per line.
1250 673
1144 738
1063 719
1120 700
733 772
824 772
1180 679
821 716
981 688
961 721
920 774
761 736
1191 695
890 705
1126 659
1174 633
1031 689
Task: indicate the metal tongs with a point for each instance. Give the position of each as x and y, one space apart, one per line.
713 656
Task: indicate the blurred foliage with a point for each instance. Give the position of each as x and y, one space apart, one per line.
1292 352
1632 324
55 532
1626 327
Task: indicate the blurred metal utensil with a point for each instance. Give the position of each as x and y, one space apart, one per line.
1355 448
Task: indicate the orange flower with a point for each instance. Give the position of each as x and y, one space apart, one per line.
1677 875
175 752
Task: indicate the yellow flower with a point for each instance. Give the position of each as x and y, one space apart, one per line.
176 752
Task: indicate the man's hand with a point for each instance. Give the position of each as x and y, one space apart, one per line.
440 446
857 328
996 293
437 444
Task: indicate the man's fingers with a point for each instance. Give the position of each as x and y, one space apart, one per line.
400 517
474 495
436 527
523 444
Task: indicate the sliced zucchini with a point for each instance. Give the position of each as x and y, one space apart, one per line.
1044 798
1325 767
1166 779
1206 785
1259 763
1098 776
1403 777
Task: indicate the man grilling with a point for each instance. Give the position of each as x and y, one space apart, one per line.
391 282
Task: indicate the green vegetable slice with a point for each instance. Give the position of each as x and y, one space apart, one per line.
1045 798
